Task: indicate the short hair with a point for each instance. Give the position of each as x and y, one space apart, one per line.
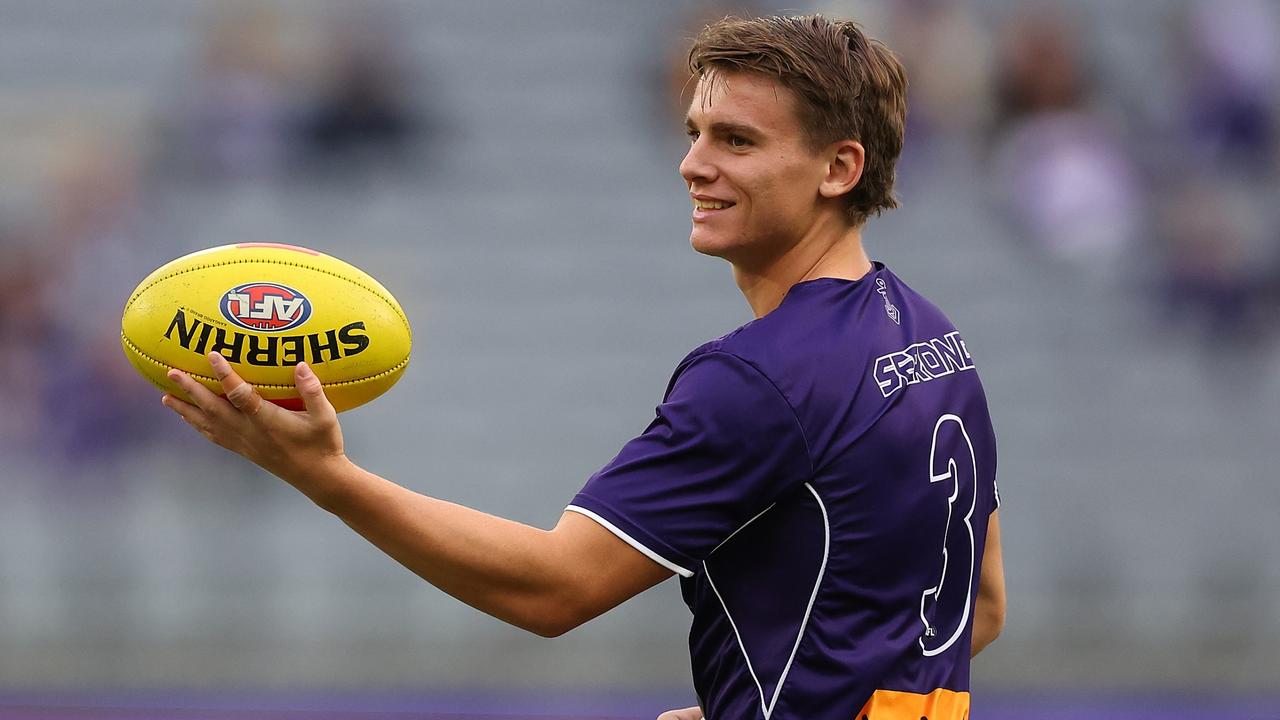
848 86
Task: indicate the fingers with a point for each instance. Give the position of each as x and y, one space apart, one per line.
194 416
312 391
240 393
200 395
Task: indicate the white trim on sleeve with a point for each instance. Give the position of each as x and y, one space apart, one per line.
632 541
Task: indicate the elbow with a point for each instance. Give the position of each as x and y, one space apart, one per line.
549 627
552 620
987 627
994 621
993 632
550 630
988 623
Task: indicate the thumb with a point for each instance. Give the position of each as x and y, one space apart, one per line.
312 392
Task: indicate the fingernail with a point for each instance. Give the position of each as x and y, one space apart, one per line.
219 364
173 374
164 400
304 370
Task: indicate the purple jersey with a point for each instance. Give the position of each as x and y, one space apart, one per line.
820 479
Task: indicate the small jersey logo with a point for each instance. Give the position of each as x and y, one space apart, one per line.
889 308
265 306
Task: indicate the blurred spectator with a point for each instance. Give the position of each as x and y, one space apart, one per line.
1213 284
82 261
1216 219
362 111
1040 71
231 119
1063 173
22 331
946 53
1230 82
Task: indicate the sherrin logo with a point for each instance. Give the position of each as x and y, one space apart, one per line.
267 307
268 350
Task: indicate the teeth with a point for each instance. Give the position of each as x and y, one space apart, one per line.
710 204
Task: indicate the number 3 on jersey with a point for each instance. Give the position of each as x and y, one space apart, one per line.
945 607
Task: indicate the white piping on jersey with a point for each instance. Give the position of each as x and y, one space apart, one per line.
767 708
632 542
737 635
744 527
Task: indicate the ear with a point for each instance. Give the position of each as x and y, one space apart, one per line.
844 169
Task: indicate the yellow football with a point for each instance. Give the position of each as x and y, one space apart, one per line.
266 307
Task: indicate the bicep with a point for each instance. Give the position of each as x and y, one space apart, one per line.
600 569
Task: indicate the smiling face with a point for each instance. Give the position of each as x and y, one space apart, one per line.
753 178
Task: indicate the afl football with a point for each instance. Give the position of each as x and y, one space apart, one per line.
266 307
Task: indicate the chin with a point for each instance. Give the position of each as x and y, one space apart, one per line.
710 244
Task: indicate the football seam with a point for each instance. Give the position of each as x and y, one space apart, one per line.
385 298
274 386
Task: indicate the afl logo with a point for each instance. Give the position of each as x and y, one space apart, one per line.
265 306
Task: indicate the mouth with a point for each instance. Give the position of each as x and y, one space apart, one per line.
711 204
704 206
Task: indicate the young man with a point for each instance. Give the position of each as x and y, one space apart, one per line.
822 478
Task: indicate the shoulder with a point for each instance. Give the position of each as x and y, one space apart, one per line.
717 368
815 318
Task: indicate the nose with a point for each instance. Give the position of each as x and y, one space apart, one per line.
696 166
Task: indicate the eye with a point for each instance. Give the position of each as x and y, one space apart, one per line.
693 134
738 141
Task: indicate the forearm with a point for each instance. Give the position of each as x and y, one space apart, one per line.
506 569
544 582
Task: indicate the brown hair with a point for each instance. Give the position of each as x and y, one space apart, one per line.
848 86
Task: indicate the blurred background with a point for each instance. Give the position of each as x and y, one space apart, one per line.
1089 189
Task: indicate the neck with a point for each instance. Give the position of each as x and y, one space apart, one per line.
817 255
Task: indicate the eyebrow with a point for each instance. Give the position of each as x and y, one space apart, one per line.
723 127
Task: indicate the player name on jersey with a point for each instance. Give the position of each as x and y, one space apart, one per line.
921 362
268 350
